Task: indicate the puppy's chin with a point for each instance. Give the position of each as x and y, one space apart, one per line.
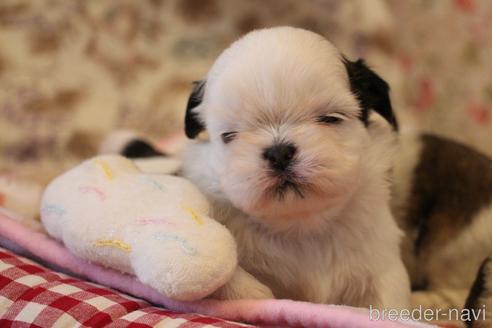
284 203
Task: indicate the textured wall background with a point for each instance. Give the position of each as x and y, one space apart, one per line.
72 70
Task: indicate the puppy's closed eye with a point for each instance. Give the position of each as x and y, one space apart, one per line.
228 136
331 119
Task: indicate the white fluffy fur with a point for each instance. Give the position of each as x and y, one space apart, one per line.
339 244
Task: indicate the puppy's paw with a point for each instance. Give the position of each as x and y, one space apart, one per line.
243 286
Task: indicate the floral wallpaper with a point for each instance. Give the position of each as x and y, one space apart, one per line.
72 70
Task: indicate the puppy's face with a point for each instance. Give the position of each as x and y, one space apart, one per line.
287 134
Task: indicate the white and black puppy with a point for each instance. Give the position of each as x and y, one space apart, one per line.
297 169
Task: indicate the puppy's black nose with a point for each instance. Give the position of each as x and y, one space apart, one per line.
280 156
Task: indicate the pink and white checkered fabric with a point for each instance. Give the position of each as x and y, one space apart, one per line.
33 296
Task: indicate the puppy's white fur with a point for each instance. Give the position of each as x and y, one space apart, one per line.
338 243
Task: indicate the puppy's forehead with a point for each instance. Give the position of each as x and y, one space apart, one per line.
278 74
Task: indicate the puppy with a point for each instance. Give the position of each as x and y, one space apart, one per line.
442 199
296 164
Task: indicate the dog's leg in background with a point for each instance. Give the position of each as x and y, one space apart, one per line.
478 303
445 298
142 151
130 144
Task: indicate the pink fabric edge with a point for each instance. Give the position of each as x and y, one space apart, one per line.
270 312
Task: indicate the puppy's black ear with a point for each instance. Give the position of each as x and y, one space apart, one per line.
371 91
193 124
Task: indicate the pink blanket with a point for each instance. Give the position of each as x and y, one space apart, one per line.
285 313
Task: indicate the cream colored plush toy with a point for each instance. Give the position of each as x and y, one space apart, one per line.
153 226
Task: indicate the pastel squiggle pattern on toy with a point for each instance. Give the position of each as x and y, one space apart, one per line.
116 243
153 183
55 209
193 214
152 221
108 173
94 190
182 242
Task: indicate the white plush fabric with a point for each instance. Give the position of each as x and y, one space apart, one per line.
154 226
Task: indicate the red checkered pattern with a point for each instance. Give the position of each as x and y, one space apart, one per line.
33 296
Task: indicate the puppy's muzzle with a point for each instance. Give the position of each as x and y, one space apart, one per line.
280 156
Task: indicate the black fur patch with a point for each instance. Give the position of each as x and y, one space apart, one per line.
473 299
419 285
140 149
193 124
371 91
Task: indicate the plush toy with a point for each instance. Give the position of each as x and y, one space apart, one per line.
153 226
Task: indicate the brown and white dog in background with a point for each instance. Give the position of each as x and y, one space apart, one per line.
442 199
